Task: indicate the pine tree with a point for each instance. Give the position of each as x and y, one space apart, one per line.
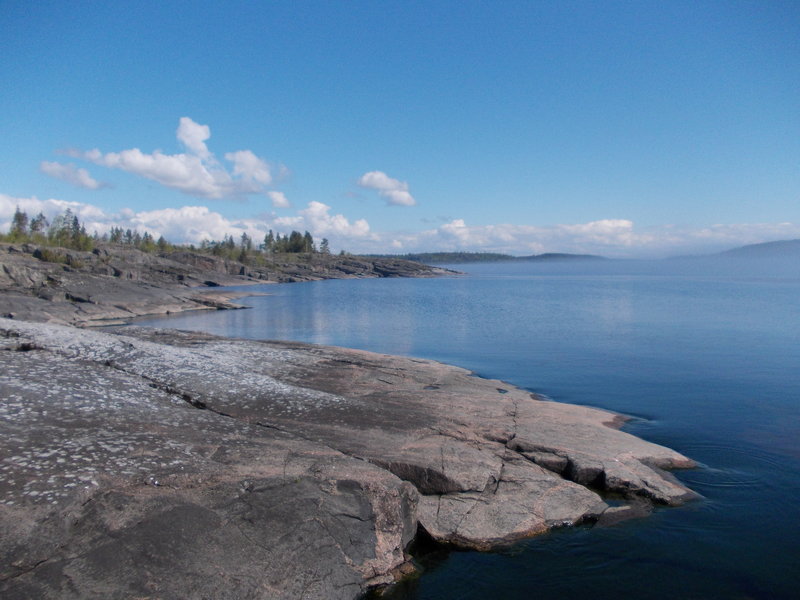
269 242
308 243
19 226
296 242
38 225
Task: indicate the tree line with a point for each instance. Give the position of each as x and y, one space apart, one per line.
67 231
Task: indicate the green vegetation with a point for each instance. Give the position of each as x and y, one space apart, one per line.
247 252
66 231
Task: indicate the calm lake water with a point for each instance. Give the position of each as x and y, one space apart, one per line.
705 358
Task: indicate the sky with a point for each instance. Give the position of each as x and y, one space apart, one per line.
626 129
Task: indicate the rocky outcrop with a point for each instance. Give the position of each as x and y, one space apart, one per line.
119 283
149 463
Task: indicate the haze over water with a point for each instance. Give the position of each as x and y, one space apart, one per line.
703 355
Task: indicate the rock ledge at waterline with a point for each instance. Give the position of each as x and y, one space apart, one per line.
161 464
117 283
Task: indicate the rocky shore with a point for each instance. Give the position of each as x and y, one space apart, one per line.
119 283
149 463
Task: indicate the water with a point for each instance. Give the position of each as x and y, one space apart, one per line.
706 363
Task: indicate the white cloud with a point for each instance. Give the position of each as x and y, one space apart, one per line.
613 236
71 174
395 192
50 208
607 237
279 199
195 172
249 166
193 224
318 219
193 136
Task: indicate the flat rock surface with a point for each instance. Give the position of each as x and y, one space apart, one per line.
138 462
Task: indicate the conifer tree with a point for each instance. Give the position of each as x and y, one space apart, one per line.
19 226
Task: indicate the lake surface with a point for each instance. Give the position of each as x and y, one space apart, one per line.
706 360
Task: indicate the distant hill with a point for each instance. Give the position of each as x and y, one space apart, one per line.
779 249
438 258
429 258
560 256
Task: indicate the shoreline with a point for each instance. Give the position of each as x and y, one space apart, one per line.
145 461
354 450
113 284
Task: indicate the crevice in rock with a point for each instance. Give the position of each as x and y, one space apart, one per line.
499 477
595 476
427 481
587 476
513 416
25 571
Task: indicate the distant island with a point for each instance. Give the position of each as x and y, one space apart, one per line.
441 258
780 249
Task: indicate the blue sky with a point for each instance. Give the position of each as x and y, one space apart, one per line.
618 128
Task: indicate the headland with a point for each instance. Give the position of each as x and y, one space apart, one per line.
142 462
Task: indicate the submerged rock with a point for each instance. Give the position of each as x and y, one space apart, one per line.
142 462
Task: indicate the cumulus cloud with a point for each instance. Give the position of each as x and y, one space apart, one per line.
395 192
71 174
317 219
278 199
194 136
50 207
317 216
196 172
193 224
249 166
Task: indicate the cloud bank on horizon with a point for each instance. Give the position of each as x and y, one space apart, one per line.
198 173
608 237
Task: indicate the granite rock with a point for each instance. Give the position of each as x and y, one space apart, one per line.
151 462
118 283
